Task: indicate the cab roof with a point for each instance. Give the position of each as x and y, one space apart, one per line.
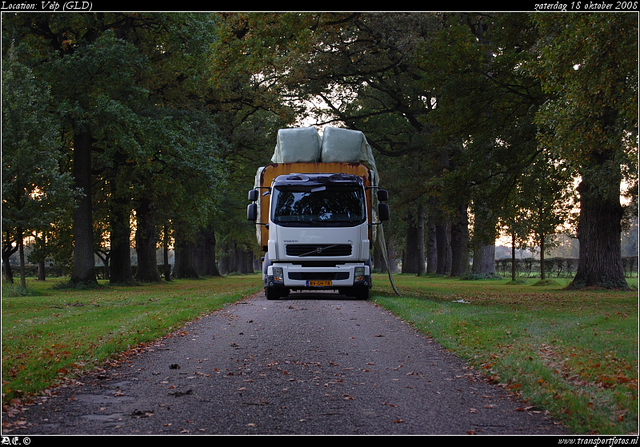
317 179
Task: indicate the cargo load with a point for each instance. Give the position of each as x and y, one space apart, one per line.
298 145
318 212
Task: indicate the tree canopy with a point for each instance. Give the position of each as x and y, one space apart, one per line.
475 119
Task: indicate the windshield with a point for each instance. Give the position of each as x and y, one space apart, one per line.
313 205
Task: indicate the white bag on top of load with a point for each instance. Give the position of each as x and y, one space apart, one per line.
297 145
344 146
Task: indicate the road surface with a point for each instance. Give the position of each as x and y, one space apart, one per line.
304 365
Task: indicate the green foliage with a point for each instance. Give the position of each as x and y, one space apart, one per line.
542 205
182 108
485 101
35 191
591 118
138 83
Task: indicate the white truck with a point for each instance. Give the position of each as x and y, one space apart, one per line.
316 209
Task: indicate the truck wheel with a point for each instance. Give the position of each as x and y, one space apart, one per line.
271 293
362 294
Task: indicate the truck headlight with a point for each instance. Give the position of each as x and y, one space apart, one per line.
278 275
359 274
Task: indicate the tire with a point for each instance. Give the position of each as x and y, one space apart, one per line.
362 294
271 293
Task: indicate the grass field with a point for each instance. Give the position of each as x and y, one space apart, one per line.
54 333
571 353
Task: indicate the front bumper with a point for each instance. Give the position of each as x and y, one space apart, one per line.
297 277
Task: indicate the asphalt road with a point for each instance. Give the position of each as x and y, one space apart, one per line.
308 364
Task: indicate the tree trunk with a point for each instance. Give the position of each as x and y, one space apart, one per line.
23 274
146 243
41 244
7 251
120 271
484 260
224 264
443 245
83 259
105 257
7 271
432 248
413 261
206 253
599 229
484 252
236 259
513 256
460 242
184 263
42 271
542 266
379 266
241 260
165 252
120 215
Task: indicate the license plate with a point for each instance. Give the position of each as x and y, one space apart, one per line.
319 283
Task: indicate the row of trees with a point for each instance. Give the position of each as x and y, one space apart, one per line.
135 129
480 123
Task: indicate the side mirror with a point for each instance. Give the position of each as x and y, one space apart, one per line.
252 212
253 195
383 195
383 212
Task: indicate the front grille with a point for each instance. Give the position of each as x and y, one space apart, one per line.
319 250
314 264
318 275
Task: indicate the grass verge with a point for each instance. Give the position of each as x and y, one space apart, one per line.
50 333
571 353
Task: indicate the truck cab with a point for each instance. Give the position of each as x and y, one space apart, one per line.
318 227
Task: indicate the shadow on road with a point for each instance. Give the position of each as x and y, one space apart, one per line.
327 295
